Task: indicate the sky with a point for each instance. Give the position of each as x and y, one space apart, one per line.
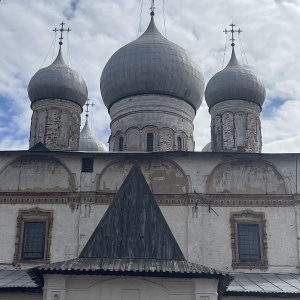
270 48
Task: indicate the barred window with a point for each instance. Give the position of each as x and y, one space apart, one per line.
249 242
33 246
33 236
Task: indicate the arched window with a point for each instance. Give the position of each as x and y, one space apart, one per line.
121 144
179 144
150 139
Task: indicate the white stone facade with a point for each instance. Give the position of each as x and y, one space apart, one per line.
127 288
267 184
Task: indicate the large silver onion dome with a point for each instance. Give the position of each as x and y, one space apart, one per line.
152 65
58 81
88 142
234 83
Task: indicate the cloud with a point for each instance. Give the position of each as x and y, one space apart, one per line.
99 28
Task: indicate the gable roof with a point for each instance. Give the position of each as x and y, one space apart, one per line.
133 226
39 147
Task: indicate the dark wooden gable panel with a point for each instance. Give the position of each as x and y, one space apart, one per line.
133 226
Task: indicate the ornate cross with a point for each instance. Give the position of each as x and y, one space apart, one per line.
152 8
232 31
61 33
87 104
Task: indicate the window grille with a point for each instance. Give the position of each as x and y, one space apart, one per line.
249 242
33 245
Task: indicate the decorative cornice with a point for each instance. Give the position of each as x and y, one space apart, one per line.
217 200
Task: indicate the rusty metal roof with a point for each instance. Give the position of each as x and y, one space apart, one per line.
264 283
133 226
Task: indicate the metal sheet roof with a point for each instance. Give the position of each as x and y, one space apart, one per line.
265 283
58 81
234 83
152 65
15 279
130 265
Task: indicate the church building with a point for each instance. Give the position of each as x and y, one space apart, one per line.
149 218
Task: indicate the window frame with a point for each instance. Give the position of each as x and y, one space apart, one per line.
248 217
33 215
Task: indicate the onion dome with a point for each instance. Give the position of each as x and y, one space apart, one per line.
152 65
207 148
234 83
58 81
88 142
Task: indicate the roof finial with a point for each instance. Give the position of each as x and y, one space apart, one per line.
232 31
61 33
152 8
87 104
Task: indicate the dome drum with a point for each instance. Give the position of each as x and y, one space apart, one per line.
56 124
166 118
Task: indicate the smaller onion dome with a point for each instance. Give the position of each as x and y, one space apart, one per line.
88 142
152 65
234 83
207 148
58 81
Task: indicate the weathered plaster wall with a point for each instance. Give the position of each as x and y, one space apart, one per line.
56 124
235 126
128 288
74 197
209 241
163 177
164 116
245 177
36 174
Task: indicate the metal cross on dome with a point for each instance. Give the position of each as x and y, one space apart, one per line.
61 33
152 8
232 31
87 104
